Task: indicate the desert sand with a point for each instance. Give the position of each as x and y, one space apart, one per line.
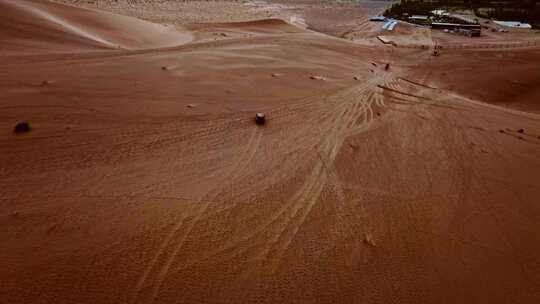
144 178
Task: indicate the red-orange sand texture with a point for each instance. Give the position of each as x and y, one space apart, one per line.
145 180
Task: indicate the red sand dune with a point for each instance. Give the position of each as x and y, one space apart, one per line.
37 26
145 180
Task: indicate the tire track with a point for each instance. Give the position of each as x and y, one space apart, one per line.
303 202
312 187
300 206
202 205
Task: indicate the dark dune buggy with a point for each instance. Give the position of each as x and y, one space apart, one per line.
260 119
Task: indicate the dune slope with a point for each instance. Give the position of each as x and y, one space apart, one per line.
145 180
37 27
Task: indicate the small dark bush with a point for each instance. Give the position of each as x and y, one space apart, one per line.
21 127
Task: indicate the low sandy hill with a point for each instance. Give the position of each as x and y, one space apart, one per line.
339 21
39 26
500 76
242 29
264 26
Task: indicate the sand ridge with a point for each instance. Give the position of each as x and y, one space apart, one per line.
48 25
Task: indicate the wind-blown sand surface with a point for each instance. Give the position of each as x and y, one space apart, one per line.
145 180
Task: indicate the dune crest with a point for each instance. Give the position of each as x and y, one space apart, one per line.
27 26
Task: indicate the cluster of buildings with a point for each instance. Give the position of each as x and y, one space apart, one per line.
389 24
465 25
